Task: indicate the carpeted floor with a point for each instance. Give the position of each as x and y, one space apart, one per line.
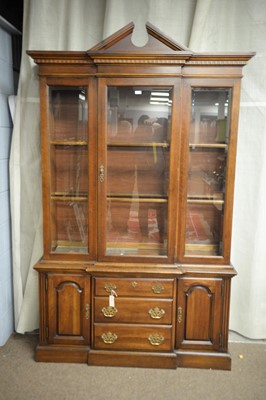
21 378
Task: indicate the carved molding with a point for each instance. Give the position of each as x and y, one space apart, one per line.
216 62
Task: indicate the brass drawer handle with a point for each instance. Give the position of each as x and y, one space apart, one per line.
109 287
109 337
134 284
156 313
156 339
157 289
109 312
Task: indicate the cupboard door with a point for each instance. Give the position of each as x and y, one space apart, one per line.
68 127
68 298
199 313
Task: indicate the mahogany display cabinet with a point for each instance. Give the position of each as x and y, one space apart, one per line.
138 158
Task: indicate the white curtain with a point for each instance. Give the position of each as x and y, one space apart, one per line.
202 25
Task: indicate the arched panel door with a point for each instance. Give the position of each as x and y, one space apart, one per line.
199 314
68 309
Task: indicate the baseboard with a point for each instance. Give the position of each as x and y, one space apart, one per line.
61 354
203 360
132 359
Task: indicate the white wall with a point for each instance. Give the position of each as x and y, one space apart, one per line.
6 89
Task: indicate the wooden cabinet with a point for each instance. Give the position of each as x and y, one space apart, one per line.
138 155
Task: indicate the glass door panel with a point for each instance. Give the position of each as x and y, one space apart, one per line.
138 145
68 129
208 147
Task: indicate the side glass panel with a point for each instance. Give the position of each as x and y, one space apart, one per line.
208 146
68 122
138 145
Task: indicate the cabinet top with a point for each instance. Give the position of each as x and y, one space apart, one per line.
119 49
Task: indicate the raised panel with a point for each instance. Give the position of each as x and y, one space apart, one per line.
69 312
199 313
68 309
199 327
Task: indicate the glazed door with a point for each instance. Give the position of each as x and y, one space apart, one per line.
68 140
209 145
68 299
135 141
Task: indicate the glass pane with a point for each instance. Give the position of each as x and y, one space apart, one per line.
69 229
204 229
206 173
69 170
68 121
138 147
210 115
209 137
68 113
136 227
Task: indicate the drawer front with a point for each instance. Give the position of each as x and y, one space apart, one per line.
131 310
132 337
131 287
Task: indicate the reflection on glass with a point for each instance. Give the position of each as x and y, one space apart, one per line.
208 144
138 147
68 120
69 231
68 113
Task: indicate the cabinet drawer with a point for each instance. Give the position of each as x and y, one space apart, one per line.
133 337
131 287
131 310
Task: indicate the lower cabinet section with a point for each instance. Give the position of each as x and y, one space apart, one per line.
177 321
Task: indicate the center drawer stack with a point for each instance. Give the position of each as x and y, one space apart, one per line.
140 317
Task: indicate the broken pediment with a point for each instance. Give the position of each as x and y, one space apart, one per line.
121 42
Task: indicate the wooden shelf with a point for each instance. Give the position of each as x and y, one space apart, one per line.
69 197
138 199
208 145
69 143
146 144
204 201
